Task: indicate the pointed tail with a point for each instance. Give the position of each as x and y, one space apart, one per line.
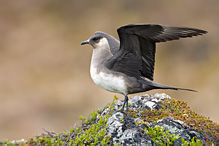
175 88
149 85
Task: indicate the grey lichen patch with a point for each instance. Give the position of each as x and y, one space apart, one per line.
115 125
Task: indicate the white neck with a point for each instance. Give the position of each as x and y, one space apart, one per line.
101 52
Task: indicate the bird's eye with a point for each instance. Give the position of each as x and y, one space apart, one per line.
96 39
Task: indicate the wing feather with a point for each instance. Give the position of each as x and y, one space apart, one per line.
140 40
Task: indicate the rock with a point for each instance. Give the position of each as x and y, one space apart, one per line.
115 125
177 127
123 128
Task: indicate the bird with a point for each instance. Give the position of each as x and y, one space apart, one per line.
126 66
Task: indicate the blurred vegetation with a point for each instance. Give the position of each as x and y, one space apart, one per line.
44 73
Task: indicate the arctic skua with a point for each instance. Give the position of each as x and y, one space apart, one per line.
127 66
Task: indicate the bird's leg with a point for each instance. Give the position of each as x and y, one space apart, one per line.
125 103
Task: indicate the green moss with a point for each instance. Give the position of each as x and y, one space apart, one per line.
194 142
93 135
21 142
161 137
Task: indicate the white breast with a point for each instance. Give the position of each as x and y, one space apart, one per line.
108 81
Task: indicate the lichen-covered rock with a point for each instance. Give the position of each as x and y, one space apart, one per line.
123 128
151 120
179 128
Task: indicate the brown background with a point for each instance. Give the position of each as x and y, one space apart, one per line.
44 72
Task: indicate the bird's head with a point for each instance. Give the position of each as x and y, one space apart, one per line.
97 41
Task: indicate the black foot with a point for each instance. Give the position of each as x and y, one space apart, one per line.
125 104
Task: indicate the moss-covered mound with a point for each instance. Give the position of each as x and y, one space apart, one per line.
151 120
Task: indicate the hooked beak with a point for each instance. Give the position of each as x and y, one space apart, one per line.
85 42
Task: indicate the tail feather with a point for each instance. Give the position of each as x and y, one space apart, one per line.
175 88
154 85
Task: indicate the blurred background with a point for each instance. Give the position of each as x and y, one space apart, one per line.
44 71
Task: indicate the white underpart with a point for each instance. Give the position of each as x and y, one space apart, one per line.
108 82
102 77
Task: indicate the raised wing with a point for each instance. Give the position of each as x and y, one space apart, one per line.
140 40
